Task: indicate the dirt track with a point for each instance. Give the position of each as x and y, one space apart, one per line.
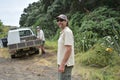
35 67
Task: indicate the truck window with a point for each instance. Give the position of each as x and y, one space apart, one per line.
25 33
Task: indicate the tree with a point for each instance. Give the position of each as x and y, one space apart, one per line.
44 12
1 24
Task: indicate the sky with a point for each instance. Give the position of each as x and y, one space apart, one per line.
11 10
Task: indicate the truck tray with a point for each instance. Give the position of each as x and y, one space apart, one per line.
31 43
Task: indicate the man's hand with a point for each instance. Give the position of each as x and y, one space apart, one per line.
61 68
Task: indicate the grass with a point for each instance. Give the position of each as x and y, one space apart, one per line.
51 45
96 73
4 53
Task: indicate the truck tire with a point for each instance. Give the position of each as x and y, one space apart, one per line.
12 56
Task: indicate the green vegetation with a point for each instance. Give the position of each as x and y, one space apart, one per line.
92 73
99 56
44 12
1 26
94 26
51 45
3 30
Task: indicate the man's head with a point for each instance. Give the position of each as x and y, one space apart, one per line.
62 20
38 28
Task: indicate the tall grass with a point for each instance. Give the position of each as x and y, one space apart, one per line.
98 64
4 53
51 45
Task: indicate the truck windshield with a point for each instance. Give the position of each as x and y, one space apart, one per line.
25 33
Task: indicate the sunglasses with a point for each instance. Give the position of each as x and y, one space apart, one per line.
61 20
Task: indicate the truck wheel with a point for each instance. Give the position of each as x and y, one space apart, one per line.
12 56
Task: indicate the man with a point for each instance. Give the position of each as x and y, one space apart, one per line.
40 35
65 54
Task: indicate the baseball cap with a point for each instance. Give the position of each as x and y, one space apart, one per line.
38 27
62 16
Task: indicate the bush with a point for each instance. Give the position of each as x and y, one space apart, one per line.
99 56
89 28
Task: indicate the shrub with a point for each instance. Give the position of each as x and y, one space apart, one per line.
99 56
89 28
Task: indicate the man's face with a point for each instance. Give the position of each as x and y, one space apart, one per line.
61 23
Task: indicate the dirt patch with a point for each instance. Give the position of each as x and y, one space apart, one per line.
34 67
4 53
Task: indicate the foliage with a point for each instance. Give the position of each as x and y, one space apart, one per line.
92 27
30 15
99 56
44 12
113 41
1 26
3 30
93 73
52 45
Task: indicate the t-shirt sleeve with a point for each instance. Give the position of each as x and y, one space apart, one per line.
68 38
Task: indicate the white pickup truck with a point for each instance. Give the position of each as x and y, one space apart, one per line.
22 41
